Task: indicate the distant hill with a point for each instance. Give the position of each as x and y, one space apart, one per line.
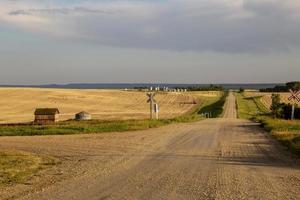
140 85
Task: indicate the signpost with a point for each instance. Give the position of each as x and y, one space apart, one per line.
156 110
151 100
294 97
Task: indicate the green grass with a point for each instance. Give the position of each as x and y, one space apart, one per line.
215 108
74 127
18 167
212 104
249 108
285 131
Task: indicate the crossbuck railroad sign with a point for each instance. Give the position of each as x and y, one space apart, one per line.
294 95
151 97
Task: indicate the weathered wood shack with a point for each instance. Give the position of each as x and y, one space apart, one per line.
46 115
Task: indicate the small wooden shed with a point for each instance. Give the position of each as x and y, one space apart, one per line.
83 116
46 115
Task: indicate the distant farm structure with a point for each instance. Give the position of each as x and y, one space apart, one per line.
181 89
163 89
46 115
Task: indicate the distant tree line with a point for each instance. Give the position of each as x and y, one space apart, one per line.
283 88
208 88
241 90
140 88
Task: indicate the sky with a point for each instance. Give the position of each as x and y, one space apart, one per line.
149 41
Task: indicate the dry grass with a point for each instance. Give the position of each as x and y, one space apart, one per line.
17 167
18 104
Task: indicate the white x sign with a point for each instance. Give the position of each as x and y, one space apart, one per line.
294 95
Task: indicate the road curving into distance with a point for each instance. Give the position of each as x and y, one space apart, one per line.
225 158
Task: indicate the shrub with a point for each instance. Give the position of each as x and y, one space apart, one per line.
287 111
276 106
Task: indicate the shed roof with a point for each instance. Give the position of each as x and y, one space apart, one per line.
83 113
46 111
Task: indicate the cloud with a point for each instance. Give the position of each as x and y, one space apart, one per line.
59 11
230 26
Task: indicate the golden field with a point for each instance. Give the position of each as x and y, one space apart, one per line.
266 97
18 104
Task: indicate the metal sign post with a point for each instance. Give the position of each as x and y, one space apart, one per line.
151 100
293 112
294 97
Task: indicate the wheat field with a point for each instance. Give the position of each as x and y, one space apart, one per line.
18 104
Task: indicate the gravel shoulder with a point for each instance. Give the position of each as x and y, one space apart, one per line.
224 158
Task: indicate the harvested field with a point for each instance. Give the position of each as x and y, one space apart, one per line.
18 104
266 97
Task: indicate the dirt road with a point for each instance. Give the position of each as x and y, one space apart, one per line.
224 158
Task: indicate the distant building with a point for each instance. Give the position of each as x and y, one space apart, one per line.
83 116
46 115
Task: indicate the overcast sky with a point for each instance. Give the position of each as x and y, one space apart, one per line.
169 41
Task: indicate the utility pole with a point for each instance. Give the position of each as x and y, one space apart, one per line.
151 100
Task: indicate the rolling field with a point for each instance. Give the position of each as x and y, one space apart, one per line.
266 97
18 104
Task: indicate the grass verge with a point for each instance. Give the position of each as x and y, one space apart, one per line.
212 104
215 108
18 167
249 107
285 131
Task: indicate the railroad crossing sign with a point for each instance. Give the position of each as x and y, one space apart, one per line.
151 100
294 97
151 97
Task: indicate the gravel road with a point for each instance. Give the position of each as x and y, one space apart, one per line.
226 158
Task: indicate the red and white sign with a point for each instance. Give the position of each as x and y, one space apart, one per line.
294 95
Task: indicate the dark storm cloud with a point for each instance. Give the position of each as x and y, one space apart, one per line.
230 26
207 41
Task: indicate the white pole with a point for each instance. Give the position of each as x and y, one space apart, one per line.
156 111
293 111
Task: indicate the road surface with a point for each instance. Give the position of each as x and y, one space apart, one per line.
224 158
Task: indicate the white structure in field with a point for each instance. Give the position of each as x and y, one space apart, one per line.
83 116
